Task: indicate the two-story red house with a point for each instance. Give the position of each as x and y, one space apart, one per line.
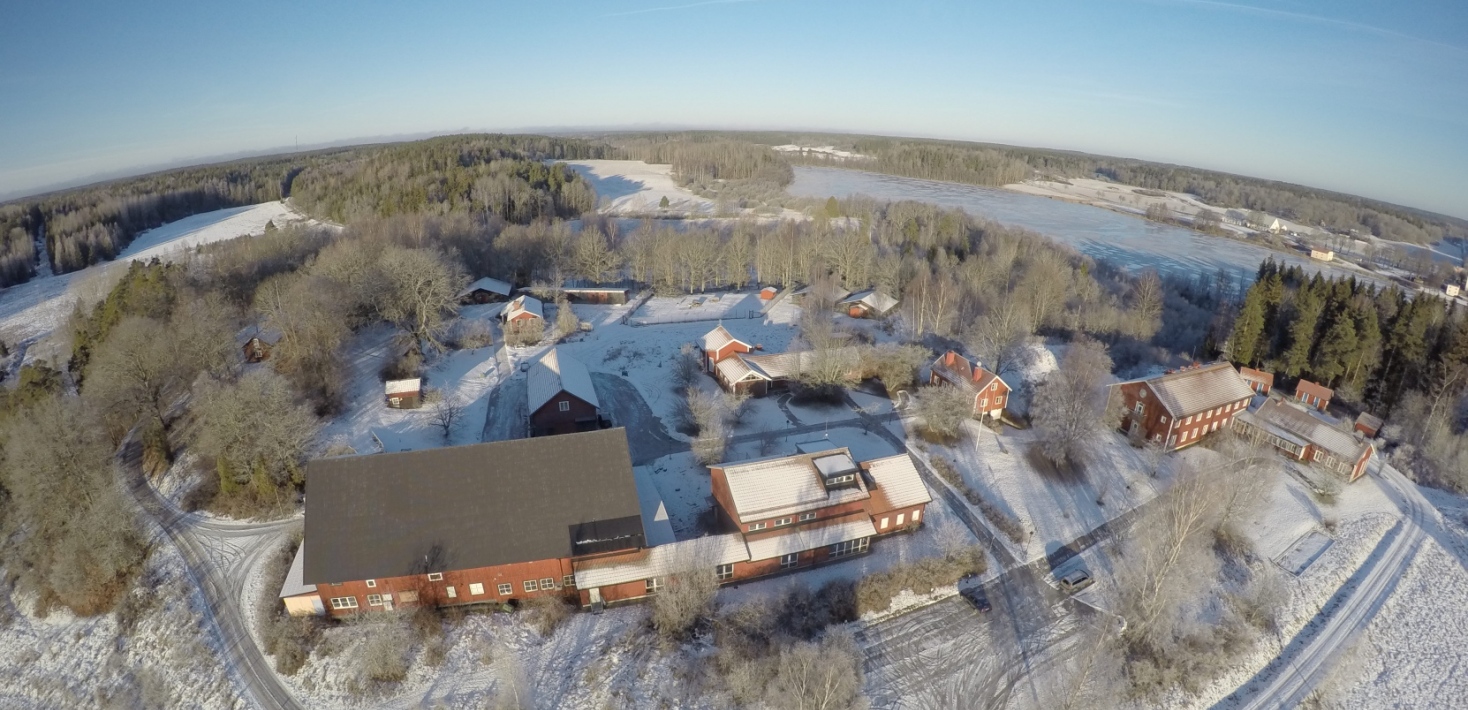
1307 436
1178 408
561 397
490 522
990 392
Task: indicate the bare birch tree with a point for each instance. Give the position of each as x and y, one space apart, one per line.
1071 404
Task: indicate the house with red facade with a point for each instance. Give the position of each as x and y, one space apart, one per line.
1307 436
488 523
1258 380
1368 424
1312 395
869 303
990 392
738 368
561 397
523 309
1177 409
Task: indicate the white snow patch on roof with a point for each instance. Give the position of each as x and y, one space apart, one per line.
524 304
294 579
488 284
898 481
773 487
1192 391
553 374
660 561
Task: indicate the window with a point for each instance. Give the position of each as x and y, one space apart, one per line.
548 583
757 526
449 590
848 478
807 516
569 581
531 585
995 386
901 518
1140 408
998 401
506 590
917 515
790 560
884 524
1143 394
371 584
344 602
374 600
1318 456
407 597
435 576
850 547
724 573
1164 419
783 521
654 584
565 406
476 589
1188 421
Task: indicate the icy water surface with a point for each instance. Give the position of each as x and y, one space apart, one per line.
1099 233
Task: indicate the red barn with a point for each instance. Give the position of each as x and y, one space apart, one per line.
1368 424
990 392
1177 409
488 523
561 396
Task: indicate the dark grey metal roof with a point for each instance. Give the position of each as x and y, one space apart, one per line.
389 515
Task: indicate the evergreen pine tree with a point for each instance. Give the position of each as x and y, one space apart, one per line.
1303 326
1337 349
1244 345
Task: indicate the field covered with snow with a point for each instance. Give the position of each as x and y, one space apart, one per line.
635 188
33 310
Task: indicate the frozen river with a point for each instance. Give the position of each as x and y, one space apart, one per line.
1099 233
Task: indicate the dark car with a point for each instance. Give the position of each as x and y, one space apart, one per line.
976 597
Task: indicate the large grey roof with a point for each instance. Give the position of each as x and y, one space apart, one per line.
1199 389
1309 427
387 515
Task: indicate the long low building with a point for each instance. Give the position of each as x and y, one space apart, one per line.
1306 436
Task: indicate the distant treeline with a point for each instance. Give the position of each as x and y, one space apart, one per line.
499 175
698 157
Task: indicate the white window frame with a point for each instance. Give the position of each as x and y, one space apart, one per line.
374 600
848 548
531 585
723 573
568 581
653 584
506 589
783 521
917 515
371 584
340 603
807 516
564 406
901 518
451 592
883 525
758 526
547 583
842 479
435 576
1139 409
789 561
476 588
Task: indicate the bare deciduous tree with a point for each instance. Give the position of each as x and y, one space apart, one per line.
818 675
135 371
1000 336
1071 404
686 597
254 425
944 410
447 414
418 288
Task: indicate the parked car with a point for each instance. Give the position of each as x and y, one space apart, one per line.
1075 581
976 597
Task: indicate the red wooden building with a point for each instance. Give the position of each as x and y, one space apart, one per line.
561 397
1178 408
485 523
870 303
523 308
1368 424
1258 380
1305 435
1312 395
990 392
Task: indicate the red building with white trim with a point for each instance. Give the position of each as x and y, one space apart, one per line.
1179 408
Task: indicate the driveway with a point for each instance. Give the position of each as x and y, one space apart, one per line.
623 404
505 417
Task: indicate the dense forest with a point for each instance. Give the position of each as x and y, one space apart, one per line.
500 175
1405 358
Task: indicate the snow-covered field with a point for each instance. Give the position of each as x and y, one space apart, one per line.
1127 198
632 187
32 310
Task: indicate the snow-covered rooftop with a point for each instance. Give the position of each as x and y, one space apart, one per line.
524 304
294 582
718 338
871 298
811 537
409 386
660 561
1199 389
1278 414
898 483
780 486
554 373
734 369
487 284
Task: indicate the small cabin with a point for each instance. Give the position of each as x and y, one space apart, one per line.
768 293
259 345
1258 380
1313 395
1322 254
1368 424
485 290
404 394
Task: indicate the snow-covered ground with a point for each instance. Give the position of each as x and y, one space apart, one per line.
32 310
632 187
827 151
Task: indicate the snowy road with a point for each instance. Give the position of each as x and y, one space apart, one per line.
218 556
1290 678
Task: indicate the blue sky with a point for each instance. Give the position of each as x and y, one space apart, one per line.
1354 95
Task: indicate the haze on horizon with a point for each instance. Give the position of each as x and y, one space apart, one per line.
1359 97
